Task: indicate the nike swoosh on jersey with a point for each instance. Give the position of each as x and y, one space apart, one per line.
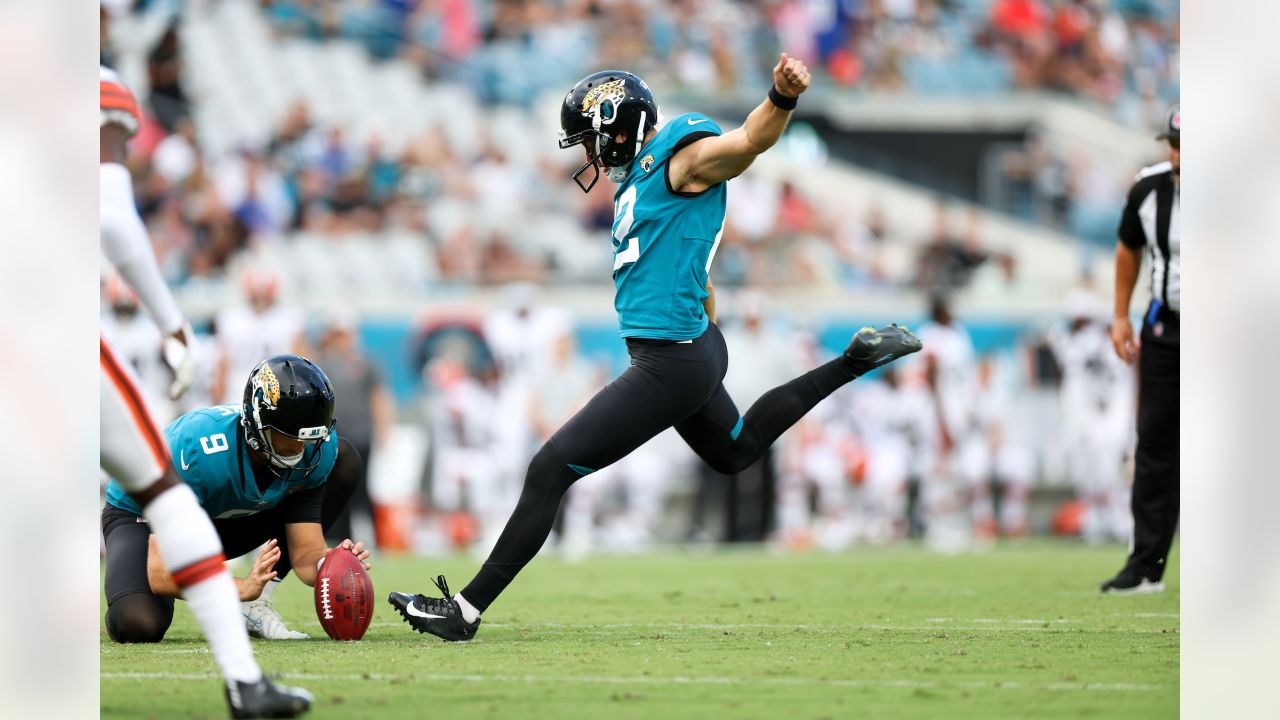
414 611
695 122
183 460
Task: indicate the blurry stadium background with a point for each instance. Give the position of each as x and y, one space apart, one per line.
378 182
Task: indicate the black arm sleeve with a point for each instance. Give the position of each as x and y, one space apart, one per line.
1130 231
303 507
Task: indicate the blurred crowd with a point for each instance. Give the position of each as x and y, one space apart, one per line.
1114 52
313 180
319 179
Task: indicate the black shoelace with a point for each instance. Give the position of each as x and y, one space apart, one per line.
440 605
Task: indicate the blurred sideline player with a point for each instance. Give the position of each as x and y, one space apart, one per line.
950 371
249 332
270 471
521 335
136 340
1097 410
466 470
669 216
995 458
894 419
132 449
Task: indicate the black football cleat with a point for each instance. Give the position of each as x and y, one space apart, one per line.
871 348
439 616
265 699
1131 582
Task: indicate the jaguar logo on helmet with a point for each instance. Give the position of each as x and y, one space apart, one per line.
266 379
614 90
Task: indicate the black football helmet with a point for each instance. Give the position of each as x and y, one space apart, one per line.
288 396
601 107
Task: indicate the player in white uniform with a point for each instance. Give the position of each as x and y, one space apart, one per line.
248 333
1097 407
996 457
465 466
895 420
137 341
133 450
955 503
522 335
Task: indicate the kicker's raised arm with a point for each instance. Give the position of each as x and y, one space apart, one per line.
712 160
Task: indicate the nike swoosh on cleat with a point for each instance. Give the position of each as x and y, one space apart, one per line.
695 122
414 611
887 358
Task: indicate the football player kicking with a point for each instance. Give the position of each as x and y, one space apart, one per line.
669 210
135 454
271 470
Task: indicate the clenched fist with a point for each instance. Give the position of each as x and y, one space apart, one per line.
790 76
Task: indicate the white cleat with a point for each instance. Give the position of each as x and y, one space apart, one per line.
262 621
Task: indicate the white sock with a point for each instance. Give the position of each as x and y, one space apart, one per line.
269 588
469 611
193 554
223 625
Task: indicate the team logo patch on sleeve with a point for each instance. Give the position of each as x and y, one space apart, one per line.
646 163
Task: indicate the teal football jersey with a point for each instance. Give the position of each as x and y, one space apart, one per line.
209 455
663 241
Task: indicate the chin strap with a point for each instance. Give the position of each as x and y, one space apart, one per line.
639 135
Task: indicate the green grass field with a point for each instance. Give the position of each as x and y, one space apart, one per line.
1016 632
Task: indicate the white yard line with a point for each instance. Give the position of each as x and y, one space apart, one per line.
997 620
675 680
988 625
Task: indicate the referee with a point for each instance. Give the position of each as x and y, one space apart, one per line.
1151 221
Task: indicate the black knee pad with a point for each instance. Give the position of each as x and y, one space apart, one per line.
139 618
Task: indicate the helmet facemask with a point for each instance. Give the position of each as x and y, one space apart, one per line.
592 141
310 439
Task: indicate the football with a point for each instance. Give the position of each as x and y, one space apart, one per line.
344 595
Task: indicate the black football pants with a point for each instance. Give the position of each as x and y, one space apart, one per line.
134 613
1155 481
668 384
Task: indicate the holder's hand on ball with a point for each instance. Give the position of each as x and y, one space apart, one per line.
359 550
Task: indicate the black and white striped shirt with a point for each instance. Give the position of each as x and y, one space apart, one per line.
1151 218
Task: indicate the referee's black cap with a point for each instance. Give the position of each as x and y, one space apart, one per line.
1172 124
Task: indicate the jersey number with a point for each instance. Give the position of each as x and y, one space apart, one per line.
214 443
626 249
